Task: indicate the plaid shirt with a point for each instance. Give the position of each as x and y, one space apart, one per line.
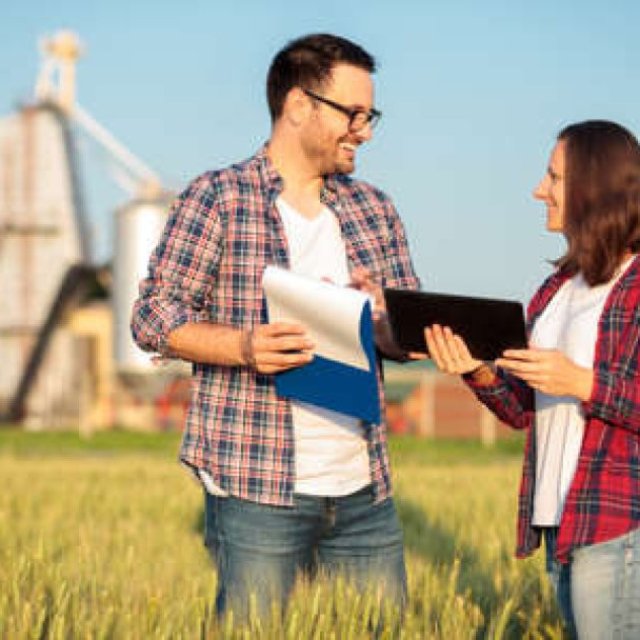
604 498
223 230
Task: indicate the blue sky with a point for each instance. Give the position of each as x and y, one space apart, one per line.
472 93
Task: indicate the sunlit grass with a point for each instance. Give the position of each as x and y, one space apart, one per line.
109 546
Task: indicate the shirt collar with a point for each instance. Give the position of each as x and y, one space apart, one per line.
274 182
270 177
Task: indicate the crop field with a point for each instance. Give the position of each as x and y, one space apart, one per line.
102 539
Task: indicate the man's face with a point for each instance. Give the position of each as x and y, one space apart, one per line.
327 139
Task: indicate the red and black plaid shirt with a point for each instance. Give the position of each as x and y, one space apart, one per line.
222 233
604 498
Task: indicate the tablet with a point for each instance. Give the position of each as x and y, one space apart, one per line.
488 326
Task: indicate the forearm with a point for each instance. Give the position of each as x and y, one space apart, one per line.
209 343
509 399
384 339
267 348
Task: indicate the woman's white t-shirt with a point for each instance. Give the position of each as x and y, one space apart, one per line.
569 324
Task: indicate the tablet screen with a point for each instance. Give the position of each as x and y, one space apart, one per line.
488 326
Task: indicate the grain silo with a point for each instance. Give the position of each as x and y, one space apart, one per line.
66 362
43 258
139 224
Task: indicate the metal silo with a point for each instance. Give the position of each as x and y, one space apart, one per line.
139 225
42 246
54 334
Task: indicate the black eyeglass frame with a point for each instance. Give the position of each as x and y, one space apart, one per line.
372 116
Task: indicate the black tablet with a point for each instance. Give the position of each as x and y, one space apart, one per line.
488 326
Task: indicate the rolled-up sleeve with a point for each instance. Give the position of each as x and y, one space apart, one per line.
400 271
182 269
511 400
615 399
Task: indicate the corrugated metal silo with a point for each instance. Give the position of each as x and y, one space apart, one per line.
139 225
41 239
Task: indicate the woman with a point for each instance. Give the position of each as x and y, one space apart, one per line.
577 388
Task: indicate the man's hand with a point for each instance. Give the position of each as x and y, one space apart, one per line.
272 348
267 348
549 371
362 279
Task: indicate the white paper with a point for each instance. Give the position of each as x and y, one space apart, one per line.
330 314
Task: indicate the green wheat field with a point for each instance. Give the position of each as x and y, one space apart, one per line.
101 538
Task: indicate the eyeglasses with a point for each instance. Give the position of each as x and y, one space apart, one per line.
358 118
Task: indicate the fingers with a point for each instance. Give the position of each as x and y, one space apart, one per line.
360 275
270 362
280 346
530 355
280 328
449 351
459 346
549 371
436 347
528 361
363 280
518 366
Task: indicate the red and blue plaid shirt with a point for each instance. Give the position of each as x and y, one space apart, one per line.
222 232
604 498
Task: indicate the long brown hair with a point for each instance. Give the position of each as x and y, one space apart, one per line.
602 198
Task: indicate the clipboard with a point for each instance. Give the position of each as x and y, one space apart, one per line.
487 325
342 375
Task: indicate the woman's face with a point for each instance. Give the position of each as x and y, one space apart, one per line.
551 188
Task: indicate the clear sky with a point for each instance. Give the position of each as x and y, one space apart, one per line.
473 94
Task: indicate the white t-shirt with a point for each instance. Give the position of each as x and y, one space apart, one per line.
330 448
569 324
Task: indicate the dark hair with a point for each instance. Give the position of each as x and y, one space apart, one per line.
602 198
307 62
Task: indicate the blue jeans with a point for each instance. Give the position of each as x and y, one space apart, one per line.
259 550
598 591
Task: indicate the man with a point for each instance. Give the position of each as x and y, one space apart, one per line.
289 487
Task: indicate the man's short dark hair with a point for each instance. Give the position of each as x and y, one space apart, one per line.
307 63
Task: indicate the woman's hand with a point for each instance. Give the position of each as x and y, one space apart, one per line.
449 351
549 371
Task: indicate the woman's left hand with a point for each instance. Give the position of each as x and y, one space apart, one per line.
549 371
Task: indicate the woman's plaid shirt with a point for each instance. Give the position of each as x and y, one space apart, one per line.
604 498
222 232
